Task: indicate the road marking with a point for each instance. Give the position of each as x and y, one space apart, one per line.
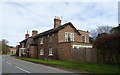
9 63
22 69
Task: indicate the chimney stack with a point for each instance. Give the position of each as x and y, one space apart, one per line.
27 35
57 21
34 32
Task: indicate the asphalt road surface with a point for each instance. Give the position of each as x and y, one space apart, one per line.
13 65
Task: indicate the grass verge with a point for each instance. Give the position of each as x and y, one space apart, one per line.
89 67
6 53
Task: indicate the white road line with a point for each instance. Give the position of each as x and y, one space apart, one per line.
22 69
9 63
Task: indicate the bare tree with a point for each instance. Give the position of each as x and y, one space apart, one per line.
104 29
93 34
99 30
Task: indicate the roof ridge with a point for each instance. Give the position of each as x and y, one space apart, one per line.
49 31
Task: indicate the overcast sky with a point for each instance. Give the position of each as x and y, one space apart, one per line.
18 17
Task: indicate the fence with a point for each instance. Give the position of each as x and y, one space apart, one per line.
67 52
84 55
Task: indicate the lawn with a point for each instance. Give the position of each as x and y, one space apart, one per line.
89 67
6 53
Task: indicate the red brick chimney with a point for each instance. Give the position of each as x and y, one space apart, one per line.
34 32
57 21
27 35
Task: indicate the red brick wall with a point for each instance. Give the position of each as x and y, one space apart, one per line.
33 52
85 34
61 34
77 38
45 46
64 51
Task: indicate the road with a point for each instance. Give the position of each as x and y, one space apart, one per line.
13 65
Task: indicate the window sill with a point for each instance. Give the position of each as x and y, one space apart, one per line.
50 55
23 53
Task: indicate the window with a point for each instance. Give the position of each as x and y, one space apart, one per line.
41 52
41 40
51 37
28 45
52 34
23 50
22 45
83 39
48 35
50 52
66 36
69 37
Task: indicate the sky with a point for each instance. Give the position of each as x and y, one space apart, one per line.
16 18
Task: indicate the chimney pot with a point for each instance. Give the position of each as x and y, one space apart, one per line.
34 32
27 35
57 21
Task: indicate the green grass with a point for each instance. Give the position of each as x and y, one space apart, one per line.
89 67
6 53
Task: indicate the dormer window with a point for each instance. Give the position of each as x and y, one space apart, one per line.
69 37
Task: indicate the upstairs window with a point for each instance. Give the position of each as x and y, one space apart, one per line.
69 37
83 38
22 45
41 40
50 37
50 52
28 45
41 52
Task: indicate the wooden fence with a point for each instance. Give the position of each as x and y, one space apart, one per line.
84 55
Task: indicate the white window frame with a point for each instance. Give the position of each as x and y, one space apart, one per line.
71 36
41 40
50 52
28 45
22 45
48 35
41 52
52 34
67 34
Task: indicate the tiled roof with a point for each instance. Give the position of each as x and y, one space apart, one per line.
53 31
31 41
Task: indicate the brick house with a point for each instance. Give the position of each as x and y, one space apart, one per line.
12 50
47 45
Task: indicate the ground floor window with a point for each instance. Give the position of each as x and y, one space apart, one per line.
41 52
50 51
